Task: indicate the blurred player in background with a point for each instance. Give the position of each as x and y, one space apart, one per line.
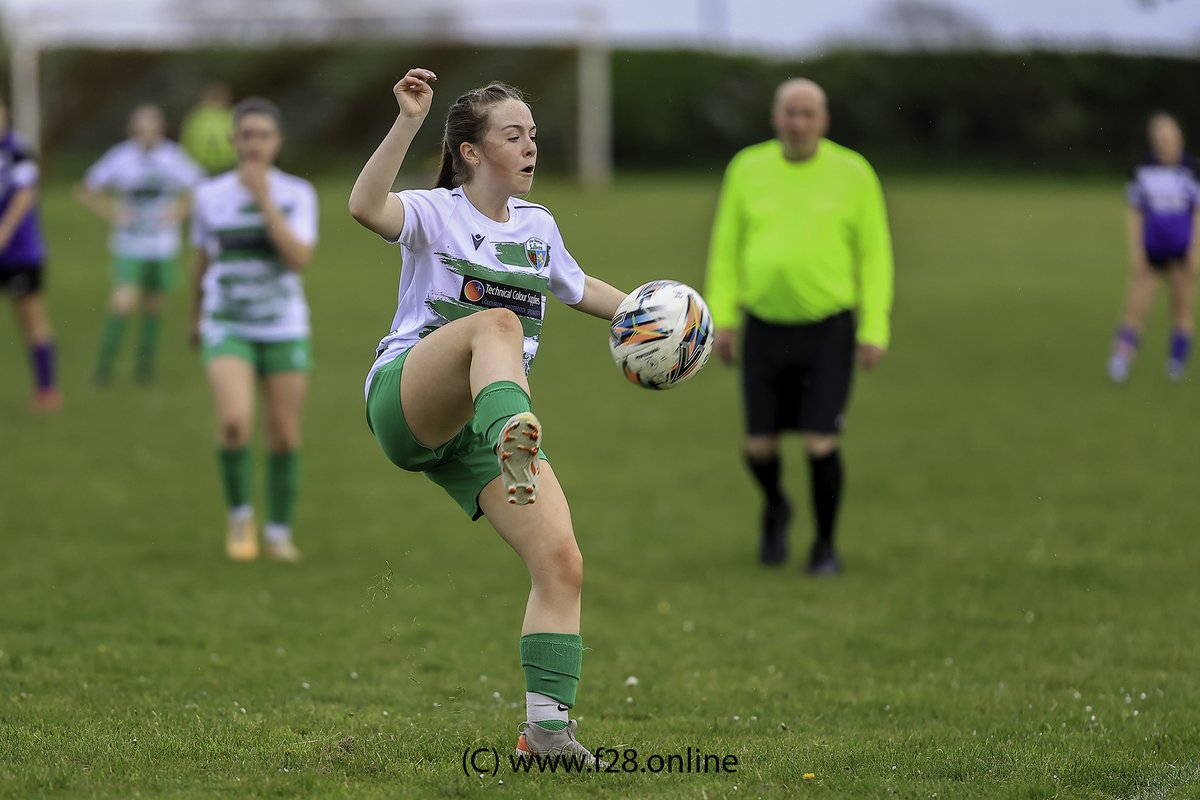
207 130
255 230
448 393
1162 218
141 187
802 257
22 259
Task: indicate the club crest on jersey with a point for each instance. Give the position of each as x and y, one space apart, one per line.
538 253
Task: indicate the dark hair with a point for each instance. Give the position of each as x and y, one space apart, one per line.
465 122
257 105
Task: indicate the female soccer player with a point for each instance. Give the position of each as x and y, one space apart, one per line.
22 254
141 187
255 229
1163 215
447 394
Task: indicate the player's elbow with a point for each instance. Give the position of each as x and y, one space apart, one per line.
365 212
359 209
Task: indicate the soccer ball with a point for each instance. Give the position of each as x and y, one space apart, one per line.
661 335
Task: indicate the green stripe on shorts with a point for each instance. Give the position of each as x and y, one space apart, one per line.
267 358
148 274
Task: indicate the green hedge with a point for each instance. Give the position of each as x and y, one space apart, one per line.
1035 111
672 110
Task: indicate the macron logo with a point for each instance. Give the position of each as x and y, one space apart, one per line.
477 238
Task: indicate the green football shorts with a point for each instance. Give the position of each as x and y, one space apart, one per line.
462 466
148 274
267 358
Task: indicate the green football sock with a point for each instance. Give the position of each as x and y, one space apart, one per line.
148 345
235 475
110 342
494 405
552 663
283 483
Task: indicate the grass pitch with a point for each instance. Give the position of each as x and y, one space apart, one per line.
1017 618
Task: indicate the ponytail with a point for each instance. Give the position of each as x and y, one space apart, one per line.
445 178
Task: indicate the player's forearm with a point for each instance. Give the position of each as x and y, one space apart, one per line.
101 205
368 198
1133 232
199 267
294 253
721 290
599 299
182 209
1193 253
875 297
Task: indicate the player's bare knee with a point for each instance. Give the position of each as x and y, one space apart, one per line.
123 301
567 566
501 322
819 445
234 432
761 448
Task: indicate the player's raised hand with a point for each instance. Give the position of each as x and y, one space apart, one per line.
413 93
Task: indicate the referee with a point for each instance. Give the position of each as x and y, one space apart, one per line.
801 257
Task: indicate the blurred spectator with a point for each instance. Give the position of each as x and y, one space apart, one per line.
207 128
800 246
255 229
22 259
1163 213
142 188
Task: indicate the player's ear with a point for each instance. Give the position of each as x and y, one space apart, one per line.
469 153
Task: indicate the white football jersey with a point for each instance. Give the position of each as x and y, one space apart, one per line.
248 291
146 184
456 261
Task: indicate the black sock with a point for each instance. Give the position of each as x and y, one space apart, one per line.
826 474
767 474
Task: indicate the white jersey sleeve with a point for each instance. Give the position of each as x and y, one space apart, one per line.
426 215
303 218
566 276
24 166
186 172
25 174
103 173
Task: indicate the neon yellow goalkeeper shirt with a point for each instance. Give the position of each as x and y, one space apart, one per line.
797 242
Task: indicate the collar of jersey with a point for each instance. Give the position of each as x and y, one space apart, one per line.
484 218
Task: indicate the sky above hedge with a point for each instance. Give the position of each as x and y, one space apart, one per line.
787 27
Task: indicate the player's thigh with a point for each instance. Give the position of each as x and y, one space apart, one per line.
760 383
231 378
124 298
284 394
159 275
828 383
32 317
541 533
1143 281
1182 282
435 386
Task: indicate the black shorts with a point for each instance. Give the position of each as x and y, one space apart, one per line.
797 377
21 281
1161 262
